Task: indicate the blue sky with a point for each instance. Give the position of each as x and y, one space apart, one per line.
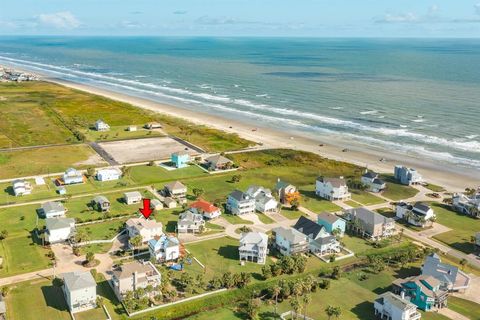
318 18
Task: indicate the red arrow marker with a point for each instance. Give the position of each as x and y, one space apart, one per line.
146 210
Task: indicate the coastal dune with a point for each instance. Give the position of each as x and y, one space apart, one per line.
453 179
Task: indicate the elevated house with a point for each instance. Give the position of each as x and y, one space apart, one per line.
418 214
373 182
148 229
132 197
332 223
190 222
101 203
369 224
319 240
467 204
132 128
176 190
332 189
156 204
289 241
283 190
253 247
451 278
101 125
407 176
72 176
206 209
423 291
80 291
164 248
52 209
180 159
109 174
152 125
218 162
394 307
170 203
264 201
21 187
239 203
135 275
59 229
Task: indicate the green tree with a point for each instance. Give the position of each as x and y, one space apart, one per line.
198 192
276 290
251 308
332 311
90 256
295 304
306 301
3 234
236 178
136 242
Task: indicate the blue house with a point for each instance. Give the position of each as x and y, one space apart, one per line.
180 159
331 222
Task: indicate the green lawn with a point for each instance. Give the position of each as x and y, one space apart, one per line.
103 230
467 308
234 219
396 191
315 203
353 204
120 133
291 214
434 187
38 192
463 228
155 174
93 314
265 219
365 198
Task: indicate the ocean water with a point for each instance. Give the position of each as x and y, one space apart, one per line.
413 96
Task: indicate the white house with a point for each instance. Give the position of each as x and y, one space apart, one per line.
52 209
21 188
419 214
170 203
108 174
332 188
101 125
132 197
253 247
373 182
72 176
290 241
393 307
132 128
176 190
59 229
135 275
320 241
80 291
467 204
164 248
147 229
239 203
264 201
190 221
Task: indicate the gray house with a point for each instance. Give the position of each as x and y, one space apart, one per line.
101 203
369 224
190 222
52 209
407 176
450 276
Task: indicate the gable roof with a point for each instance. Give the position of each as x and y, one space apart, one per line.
253 239
79 280
328 217
203 205
58 223
100 199
370 175
335 182
421 206
142 223
308 227
52 206
133 194
393 299
368 216
281 184
175 185
291 235
218 160
239 195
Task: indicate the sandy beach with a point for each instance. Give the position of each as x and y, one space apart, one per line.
454 179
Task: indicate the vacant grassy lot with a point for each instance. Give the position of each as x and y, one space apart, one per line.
365 198
120 133
463 228
46 160
468 308
103 230
315 203
396 191
155 174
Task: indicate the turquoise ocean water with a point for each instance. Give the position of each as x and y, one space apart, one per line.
414 96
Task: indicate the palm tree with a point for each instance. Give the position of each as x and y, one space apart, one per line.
306 300
295 303
275 292
136 242
332 311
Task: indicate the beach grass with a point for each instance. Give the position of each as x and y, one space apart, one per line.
434 187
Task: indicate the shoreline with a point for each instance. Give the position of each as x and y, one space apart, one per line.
436 173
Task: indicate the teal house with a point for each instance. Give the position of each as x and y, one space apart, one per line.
331 223
423 291
180 159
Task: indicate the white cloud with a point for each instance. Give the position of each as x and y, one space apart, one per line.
60 20
398 18
477 8
433 9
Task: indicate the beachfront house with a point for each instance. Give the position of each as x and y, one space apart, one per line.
132 197
152 125
205 208
109 174
373 182
148 229
52 209
132 128
59 229
394 307
164 248
253 247
423 291
180 159
283 190
80 291
467 204
332 189
101 125
135 275
239 203
72 176
21 187
332 223
101 204
218 162
451 278
290 241
369 224
176 190
320 241
190 222
264 201
407 176
418 214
